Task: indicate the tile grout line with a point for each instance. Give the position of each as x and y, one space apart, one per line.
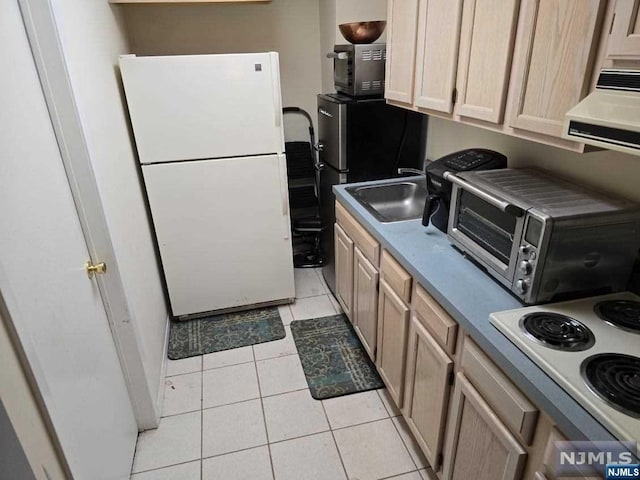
391 414
264 416
201 415
287 439
166 466
402 474
235 403
335 442
405 443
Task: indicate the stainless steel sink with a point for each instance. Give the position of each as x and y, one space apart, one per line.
392 202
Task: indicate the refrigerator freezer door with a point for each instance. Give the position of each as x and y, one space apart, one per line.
223 231
187 107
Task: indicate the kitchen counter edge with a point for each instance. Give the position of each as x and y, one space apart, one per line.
469 295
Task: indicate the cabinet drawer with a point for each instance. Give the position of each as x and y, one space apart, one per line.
368 245
396 276
515 410
438 322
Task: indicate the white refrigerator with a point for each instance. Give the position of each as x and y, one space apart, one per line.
208 130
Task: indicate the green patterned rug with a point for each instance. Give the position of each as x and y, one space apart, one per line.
333 359
189 338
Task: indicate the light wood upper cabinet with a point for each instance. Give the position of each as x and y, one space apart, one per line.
624 41
479 446
427 390
437 53
344 269
365 302
167 2
554 61
393 326
484 62
402 23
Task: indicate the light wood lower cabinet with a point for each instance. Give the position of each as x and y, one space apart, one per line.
393 326
344 269
486 429
365 302
479 446
429 371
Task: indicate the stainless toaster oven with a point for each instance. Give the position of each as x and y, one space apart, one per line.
542 237
358 70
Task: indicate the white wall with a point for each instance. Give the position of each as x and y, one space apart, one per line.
609 171
93 36
327 41
290 27
348 11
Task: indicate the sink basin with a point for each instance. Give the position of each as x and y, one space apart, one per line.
392 202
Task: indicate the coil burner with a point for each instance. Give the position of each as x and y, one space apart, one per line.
557 331
615 378
623 314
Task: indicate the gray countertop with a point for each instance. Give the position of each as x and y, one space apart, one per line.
470 295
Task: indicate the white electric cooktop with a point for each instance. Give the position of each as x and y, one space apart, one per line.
591 348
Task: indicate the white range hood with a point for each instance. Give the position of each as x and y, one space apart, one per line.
610 116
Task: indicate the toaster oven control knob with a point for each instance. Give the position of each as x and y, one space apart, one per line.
525 267
522 286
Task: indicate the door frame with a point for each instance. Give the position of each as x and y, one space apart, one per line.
46 48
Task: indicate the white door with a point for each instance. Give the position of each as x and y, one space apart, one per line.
223 231
57 311
186 107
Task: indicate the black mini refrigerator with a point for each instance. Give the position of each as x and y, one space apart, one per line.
361 140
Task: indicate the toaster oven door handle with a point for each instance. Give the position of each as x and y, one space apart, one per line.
338 55
507 207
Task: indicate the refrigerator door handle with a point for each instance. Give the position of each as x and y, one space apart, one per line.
284 192
275 82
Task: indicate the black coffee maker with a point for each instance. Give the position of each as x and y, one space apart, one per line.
436 208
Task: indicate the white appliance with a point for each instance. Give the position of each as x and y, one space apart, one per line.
591 348
209 134
608 117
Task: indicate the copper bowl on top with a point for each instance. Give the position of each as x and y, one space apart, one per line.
362 32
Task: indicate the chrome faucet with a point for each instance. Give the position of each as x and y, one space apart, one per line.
415 171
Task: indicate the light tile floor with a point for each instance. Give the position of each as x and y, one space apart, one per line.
247 414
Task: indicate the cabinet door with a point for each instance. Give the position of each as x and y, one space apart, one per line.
486 48
402 24
344 269
393 324
437 53
624 41
365 302
479 446
553 63
427 390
